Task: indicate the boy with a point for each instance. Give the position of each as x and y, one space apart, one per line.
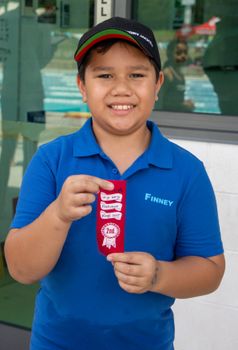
172 240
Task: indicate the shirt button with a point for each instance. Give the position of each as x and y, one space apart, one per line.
114 171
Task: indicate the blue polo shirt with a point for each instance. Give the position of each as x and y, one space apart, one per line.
171 212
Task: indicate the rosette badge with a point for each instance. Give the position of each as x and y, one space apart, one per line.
111 208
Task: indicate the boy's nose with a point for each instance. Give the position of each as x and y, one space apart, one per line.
121 88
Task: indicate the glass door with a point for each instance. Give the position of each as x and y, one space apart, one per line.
39 101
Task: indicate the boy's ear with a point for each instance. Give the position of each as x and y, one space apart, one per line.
82 88
159 83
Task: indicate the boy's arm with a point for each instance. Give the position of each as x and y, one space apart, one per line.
189 276
183 278
33 250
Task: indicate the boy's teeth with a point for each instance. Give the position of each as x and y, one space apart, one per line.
122 107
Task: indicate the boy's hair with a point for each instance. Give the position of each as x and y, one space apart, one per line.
103 47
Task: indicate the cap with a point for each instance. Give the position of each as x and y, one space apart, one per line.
122 29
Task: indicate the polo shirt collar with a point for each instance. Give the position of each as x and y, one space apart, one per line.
159 152
85 143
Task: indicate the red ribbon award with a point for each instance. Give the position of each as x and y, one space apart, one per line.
111 208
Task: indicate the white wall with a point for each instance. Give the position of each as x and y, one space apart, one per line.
211 322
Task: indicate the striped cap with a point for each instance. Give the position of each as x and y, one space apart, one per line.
121 29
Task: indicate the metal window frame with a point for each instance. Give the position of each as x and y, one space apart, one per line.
199 127
122 8
191 126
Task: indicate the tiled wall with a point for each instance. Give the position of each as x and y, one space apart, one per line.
211 322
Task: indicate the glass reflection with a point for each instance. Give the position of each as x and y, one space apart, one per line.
209 29
172 95
220 61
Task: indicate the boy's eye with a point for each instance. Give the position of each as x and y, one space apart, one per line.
137 75
105 76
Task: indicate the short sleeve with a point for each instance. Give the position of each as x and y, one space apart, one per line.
198 224
37 191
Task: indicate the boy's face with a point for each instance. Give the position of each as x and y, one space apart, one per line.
181 53
120 88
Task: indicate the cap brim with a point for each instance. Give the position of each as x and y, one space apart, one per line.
101 36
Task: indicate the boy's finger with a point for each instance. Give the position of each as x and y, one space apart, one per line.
84 198
129 279
129 258
106 185
88 183
128 269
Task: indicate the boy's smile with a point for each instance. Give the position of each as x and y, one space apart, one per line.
120 88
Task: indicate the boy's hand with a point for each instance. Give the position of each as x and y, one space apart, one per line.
135 271
77 195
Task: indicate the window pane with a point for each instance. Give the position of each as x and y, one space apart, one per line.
40 100
198 42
